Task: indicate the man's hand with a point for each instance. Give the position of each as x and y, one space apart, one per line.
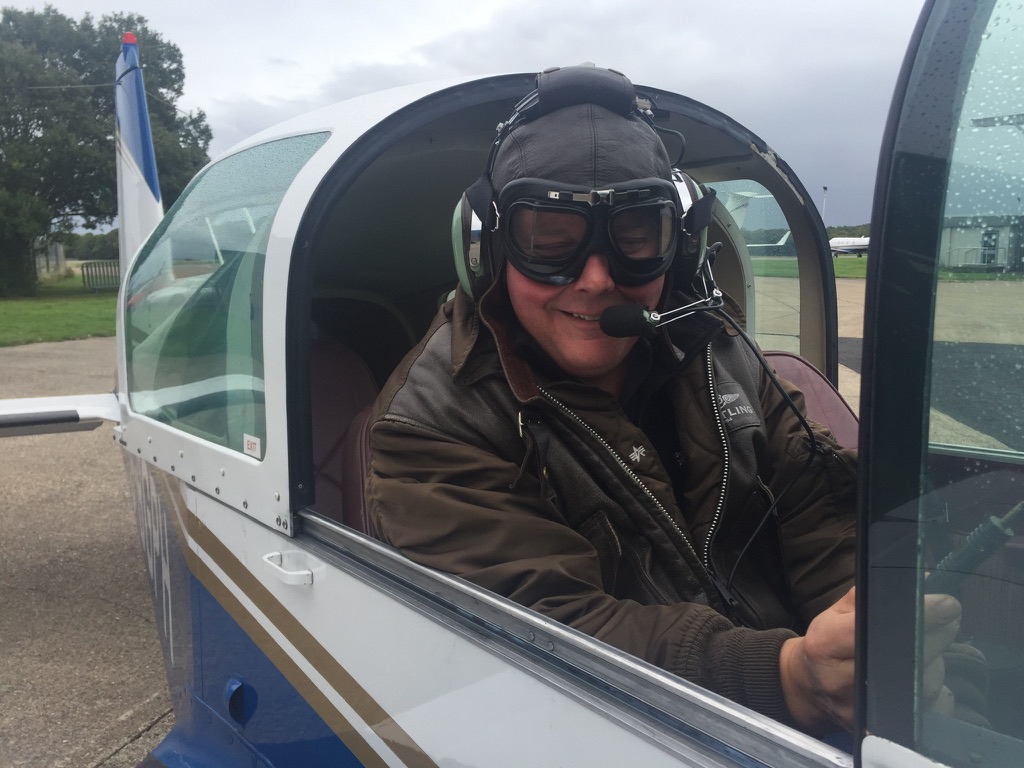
941 627
817 670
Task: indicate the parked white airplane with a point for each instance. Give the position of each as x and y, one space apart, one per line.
857 245
259 319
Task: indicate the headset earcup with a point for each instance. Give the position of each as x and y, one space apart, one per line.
466 245
692 248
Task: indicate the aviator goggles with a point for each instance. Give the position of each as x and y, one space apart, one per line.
548 229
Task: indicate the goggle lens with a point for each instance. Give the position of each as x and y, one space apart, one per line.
550 240
643 232
544 235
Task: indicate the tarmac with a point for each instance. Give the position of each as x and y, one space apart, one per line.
81 671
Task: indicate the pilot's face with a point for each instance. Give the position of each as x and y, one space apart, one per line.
563 320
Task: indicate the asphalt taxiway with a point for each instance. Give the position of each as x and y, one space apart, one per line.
82 680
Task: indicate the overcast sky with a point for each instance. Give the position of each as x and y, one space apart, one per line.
813 78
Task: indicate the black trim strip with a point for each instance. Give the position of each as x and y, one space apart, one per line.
906 225
45 419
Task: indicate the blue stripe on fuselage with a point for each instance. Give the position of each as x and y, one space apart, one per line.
265 718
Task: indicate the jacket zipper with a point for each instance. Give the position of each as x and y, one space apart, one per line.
624 466
713 529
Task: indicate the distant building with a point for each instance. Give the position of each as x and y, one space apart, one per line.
983 227
983 243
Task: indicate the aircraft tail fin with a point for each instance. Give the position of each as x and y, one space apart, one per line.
139 207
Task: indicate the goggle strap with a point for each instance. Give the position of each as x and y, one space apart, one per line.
567 86
700 214
603 196
480 194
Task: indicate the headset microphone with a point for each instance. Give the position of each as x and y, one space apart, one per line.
634 320
625 320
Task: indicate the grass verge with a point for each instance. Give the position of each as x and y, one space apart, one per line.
785 266
63 309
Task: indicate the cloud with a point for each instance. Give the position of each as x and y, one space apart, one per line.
813 79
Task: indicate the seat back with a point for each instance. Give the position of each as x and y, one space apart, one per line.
823 402
356 451
342 391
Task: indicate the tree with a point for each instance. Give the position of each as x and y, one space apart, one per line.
850 230
57 128
90 247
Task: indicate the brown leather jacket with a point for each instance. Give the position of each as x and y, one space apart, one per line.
546 491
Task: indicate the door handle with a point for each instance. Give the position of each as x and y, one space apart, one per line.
275 562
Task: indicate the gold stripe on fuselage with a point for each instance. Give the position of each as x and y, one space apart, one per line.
368 709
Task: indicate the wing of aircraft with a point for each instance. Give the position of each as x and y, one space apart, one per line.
260 319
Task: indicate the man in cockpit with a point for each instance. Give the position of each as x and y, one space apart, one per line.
653 488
